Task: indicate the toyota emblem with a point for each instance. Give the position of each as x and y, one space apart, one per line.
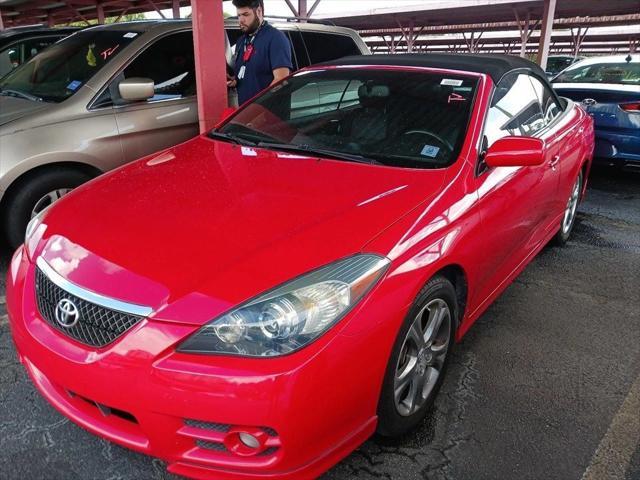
67 314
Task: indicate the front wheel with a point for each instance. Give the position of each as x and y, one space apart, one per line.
569 217
418 360
34 195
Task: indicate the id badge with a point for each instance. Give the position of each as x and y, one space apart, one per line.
241 72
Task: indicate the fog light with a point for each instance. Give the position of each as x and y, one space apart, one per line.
246 441
249 440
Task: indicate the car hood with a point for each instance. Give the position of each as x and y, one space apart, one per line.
213 224
12 108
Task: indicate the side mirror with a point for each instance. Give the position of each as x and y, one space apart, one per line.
136 89
515 152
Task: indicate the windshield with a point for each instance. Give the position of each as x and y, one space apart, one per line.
621 73
557 64
60 70
393 117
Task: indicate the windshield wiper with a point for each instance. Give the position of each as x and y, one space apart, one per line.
230 138
16 93
309 150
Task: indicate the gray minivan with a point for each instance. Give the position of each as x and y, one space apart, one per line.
72 111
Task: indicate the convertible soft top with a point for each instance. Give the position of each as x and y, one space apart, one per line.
496 66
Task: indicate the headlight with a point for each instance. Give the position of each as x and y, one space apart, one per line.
34 232
293 315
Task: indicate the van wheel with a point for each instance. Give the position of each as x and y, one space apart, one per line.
418 360
35 194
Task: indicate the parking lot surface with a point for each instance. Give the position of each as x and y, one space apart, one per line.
546 385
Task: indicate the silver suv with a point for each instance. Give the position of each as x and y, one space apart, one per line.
110 94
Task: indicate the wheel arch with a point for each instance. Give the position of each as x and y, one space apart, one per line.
455 274
27 175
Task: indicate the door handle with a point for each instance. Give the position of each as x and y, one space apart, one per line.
553 163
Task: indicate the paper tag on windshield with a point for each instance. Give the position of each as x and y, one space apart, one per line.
451 82
130 35
429 151
248 152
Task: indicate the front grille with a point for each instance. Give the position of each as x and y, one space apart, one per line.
211 445
97 325
218 427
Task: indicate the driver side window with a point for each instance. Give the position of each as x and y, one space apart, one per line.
169 62
515 109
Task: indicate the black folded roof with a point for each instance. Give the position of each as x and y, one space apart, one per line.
493 65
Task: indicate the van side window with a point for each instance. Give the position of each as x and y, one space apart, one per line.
299 49
323 47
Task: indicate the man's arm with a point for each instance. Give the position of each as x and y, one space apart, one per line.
279 74
280 57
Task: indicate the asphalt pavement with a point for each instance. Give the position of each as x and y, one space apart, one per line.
546 385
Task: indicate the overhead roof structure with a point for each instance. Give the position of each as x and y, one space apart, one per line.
565 42
56 12
484 11
408 30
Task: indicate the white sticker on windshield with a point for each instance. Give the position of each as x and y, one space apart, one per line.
430 151
130 35
451 82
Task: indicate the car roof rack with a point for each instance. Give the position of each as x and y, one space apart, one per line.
301 20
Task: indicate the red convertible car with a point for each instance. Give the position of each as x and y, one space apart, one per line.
258 301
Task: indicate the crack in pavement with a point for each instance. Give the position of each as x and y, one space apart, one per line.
34 429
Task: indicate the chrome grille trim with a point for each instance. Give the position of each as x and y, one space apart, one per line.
89 296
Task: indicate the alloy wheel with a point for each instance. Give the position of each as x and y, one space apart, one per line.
422 357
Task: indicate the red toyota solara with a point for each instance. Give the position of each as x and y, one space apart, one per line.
258 301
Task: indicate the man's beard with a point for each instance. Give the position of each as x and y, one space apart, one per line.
251 29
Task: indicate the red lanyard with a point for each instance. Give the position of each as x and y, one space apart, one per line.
248 49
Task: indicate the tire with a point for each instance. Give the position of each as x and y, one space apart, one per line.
38 190
569 217
398 414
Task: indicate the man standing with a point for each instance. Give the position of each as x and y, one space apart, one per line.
263 54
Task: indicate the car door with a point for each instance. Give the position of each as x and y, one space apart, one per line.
567 144
514 202
171 115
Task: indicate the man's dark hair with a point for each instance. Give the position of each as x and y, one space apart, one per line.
248 4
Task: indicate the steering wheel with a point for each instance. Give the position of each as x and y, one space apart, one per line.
440 140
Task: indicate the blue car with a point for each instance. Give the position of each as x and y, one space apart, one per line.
609 89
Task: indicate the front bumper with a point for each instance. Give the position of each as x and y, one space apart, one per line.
181 408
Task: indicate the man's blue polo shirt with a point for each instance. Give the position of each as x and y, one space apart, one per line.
271 50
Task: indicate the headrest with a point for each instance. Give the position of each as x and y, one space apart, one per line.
373 91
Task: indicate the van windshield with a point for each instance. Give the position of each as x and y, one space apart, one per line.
62 69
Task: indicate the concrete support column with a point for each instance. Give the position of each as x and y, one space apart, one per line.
545 35
209 48
176 8
1 22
